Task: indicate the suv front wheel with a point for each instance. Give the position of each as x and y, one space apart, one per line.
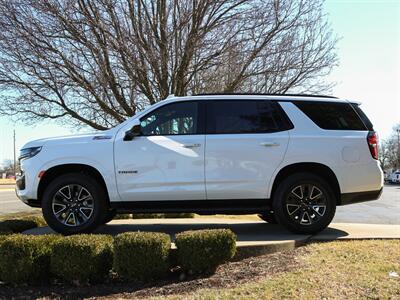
304 203
74 203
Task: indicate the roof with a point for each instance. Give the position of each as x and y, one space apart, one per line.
242 96
262 94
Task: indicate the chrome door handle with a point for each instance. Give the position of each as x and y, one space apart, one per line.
269 144
191 145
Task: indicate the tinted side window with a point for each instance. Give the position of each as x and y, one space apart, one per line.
171 119
332 115
245 116
363 116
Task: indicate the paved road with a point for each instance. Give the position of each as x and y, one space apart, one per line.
9 203
386 210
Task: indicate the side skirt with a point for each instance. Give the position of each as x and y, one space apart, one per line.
226 206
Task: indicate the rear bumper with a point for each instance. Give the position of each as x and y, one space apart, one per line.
350 198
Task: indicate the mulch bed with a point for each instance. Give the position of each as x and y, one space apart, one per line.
228 275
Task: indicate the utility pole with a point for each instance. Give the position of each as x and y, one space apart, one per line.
398 148
15 161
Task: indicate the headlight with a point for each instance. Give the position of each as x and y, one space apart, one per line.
28 152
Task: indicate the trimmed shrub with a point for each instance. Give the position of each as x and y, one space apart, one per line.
147 216
4 229
141 255
3 237
82 258
26 258
178 215
163 216
201 251
122 216
39 220
19 225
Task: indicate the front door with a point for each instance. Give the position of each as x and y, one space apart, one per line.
246 141
166 162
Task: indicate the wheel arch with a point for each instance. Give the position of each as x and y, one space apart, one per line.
55 171
318 169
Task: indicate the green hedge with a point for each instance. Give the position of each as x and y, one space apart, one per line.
39 220
4 229
141 255
178 215
18 225
122 216
163 216
201 251
25 258
82 258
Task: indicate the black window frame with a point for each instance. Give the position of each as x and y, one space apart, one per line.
298 104
200 118
286 122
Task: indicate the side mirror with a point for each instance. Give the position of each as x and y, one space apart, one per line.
131 133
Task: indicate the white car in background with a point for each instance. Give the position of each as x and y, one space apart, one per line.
290 158
395 177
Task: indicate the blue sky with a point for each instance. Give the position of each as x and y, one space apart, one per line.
369 70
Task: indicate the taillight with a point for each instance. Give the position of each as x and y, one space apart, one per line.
373 143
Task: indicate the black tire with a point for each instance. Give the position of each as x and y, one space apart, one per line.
110 215
63 197
268 217
308 215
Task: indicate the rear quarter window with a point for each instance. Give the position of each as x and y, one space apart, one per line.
363 116
332 115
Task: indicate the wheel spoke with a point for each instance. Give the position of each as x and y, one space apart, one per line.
62 209
305 218
69 216
85 212
292 208
316 193
73 205
83 196
319 209
62 193
298 192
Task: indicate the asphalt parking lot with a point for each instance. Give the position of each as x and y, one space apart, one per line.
386 210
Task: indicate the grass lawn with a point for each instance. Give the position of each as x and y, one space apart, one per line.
333 270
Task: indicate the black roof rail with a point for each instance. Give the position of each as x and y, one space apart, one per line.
261 94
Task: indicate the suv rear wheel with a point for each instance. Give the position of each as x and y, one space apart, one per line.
304 203
268 217
74 203
110 215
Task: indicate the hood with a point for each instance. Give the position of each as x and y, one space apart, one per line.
72 139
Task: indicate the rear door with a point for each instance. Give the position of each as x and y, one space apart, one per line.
246 141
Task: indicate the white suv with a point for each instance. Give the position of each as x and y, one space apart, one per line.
290 158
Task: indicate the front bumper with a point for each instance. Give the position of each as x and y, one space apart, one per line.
350 198
27 201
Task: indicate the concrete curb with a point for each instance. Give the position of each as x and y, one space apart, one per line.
246 250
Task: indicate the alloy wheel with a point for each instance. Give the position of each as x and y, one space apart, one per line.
306 204
73 205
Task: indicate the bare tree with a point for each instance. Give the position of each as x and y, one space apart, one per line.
389 155
98 61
